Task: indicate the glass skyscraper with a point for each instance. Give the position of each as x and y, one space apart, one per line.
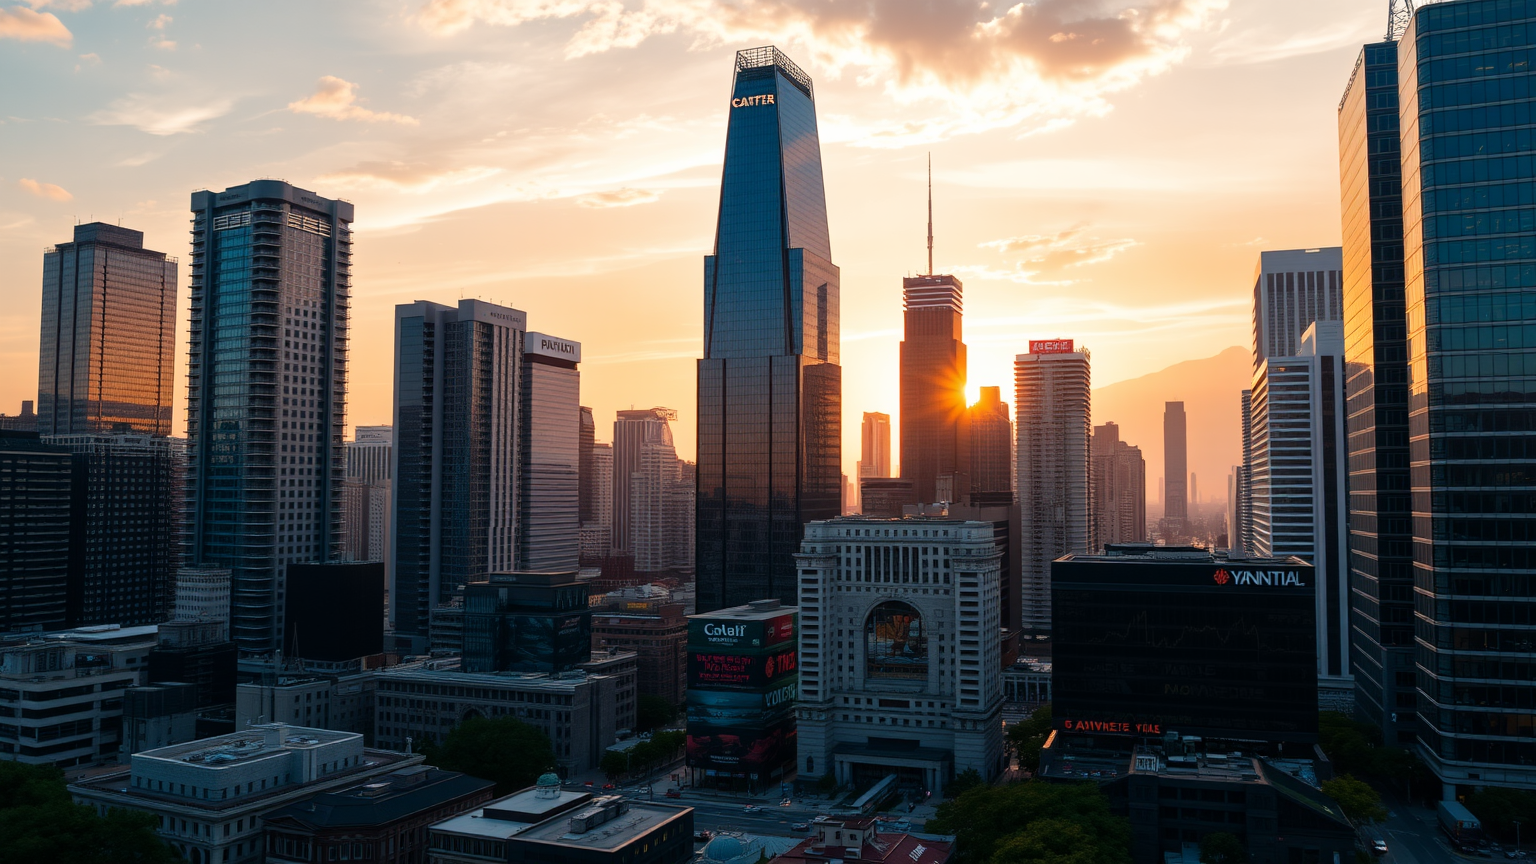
770 388
266 392
935 435
1469 254
1376 390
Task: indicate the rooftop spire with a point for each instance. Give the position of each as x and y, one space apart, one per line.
930 214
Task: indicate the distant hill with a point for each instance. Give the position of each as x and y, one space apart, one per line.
1211 390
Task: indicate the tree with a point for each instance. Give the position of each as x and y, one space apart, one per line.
1358 800
614 764
1222 848
1055 841
653 712
964 782
1499 810
504 749
987 817
1350 744
40 823
1027 737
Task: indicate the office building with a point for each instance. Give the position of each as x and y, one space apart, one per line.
549 476
743 675
314 629
645 470
343 698
597 533
935 440
582 711
126 534
875 451
196 652
770 387
1150 639
991 450
1175 522
526 622
365 495
1292 288
369 458
456 453
210 795
645 620
26 421
886 497
158 715
1468 269
61 694
1054 429
1119 489
37 525
1243 542
1376 391
108 343
900 672
545 824
587 435
266 392
385 819
202 594
1299 499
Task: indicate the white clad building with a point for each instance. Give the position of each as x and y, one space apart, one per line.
899 668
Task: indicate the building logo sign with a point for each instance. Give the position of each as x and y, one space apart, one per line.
750 101
552 346
1112 727
1050 346
1269 578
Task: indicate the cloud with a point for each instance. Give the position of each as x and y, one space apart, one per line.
160 22
337 99
61 5
25 25
142 3
1039 254
617 198
405 176
168 114
993 65
45 190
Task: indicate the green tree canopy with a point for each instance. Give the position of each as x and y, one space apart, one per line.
653 712
505 750
964 782
1499 809
1222 848
39 822
1359 800
986 818
1027 737
1055 841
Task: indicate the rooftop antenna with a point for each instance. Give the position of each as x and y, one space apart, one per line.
1399 16
930 209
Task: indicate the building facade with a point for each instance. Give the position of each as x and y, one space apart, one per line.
935 437
991 450
743 674
900 672
1292 288
266 392
645 620
1052 386
769 386
108 346
526 622
365 495
1119 489
1175 470
549 469
37 523
875 449
547 825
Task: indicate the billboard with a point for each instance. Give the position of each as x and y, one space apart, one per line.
753 749
1050 346
724 634
714 669
736 708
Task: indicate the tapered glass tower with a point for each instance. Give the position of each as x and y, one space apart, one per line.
770 389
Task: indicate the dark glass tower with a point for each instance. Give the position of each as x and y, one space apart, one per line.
991 448
1470 290
266 392
770 389
37 523
108 335
1376 393
935 438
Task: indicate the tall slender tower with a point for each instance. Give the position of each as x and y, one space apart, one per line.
1175 470
875 455
266 392
770 388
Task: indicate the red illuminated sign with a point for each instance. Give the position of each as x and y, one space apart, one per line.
1112 726
709 669
1050 346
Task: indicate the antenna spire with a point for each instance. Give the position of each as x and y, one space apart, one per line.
930 214
1399 15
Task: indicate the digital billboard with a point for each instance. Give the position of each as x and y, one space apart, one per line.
743 749
714 669
723 634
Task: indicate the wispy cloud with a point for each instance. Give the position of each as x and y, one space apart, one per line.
61 5
1038 254
337 99
1248 47
405 176
44 190
164 114
618 198
27 25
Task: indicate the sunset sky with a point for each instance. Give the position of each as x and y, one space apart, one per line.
1104 170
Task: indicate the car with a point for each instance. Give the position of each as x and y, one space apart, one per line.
785 803
608 786
751 808
703 836
1378 846
674 793
800 826
1514 853
822 818
588 784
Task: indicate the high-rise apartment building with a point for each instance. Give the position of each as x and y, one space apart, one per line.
266 394
935 440
457 401
770 387
1052 386
1469 272
549 470
1376 389
875 454
108 335
991 450
1299 471
1119 489
642 445
1242 543
365 509
1291 289
588 441
1175 470
36 527
597 534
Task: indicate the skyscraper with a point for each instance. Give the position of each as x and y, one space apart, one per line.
1243 542
875 455
1299 504
1469 270
770 389
991 450
365 496
1175 470
266 394
1376 387
588 441
1119 489
108 335
1291 289
1052 385
642 442
36 483
597 535
549 478
457 402
935 442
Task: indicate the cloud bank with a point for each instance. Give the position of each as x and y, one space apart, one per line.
27 25
45 190
337 99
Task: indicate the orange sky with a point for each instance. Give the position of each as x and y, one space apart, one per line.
1104 170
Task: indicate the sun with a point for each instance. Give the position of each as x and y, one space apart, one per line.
972 394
